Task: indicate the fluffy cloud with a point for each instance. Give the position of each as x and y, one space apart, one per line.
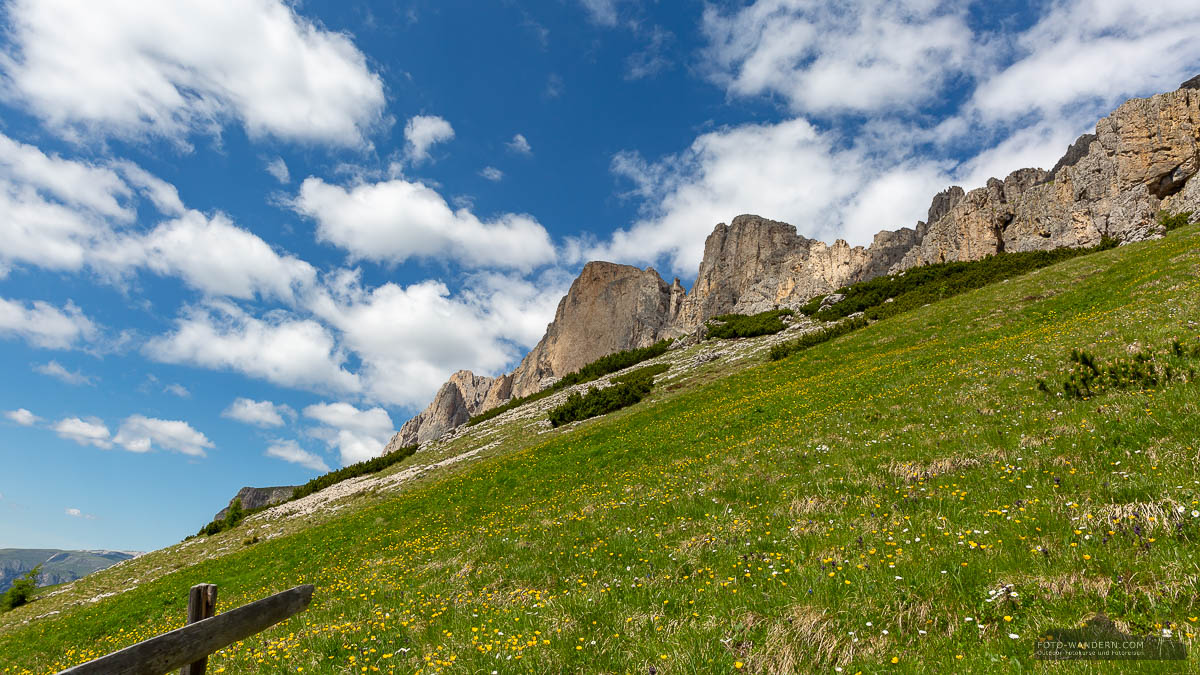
1095 52
84 432
279 347
44 325
259 413
215 256
491 173
788 171
409 339
56 370
397 219
55 209
423 132
132 69
520 145
858 56
66 214
22 416
357 434
76 513
141 434
290 451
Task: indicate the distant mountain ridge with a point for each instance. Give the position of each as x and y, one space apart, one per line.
58 566
1141 159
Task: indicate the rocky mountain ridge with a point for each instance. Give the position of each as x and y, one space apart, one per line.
1141 159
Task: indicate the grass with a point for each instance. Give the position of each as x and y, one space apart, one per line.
872 503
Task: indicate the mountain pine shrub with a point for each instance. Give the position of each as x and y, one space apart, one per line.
631 388
729 326
592 371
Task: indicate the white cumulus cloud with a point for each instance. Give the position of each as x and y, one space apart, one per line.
129 68
520 145
280 347
423 132
22 416
259 413
290 451
394 220
357 434
139 433
44 325
84 432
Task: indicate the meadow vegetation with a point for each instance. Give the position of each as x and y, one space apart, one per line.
901 498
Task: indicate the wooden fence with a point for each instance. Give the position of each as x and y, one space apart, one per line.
188 648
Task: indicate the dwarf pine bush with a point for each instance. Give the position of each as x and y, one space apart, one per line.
729 326
1091 377
1174 222
592 371
807 340
625 391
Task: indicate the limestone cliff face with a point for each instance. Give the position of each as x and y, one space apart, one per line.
609 308
256 498
462 396
1141 159
1113 182
754 264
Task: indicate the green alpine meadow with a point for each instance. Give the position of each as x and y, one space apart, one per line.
902 498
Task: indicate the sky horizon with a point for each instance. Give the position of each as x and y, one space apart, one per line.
243 242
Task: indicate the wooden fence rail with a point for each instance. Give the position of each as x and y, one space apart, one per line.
190 646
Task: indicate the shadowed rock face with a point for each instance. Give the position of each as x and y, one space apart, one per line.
462 396
1141 159
256 498
609 308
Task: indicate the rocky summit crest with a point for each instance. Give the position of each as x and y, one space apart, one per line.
1141 159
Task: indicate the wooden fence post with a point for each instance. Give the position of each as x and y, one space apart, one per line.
202 604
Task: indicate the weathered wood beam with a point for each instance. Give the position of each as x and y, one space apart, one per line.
162 654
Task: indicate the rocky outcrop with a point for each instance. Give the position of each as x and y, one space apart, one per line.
1112 183
609 308
257 498
462 396
754 264
1141 159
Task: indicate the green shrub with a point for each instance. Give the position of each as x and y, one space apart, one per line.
813 305
1174 222
597 402
594 370
21 590
373 465
807 340
729 326
886 296
1091 377
647 371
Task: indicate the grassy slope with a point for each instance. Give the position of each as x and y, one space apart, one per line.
893 476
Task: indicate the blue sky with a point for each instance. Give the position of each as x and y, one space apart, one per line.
242 242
